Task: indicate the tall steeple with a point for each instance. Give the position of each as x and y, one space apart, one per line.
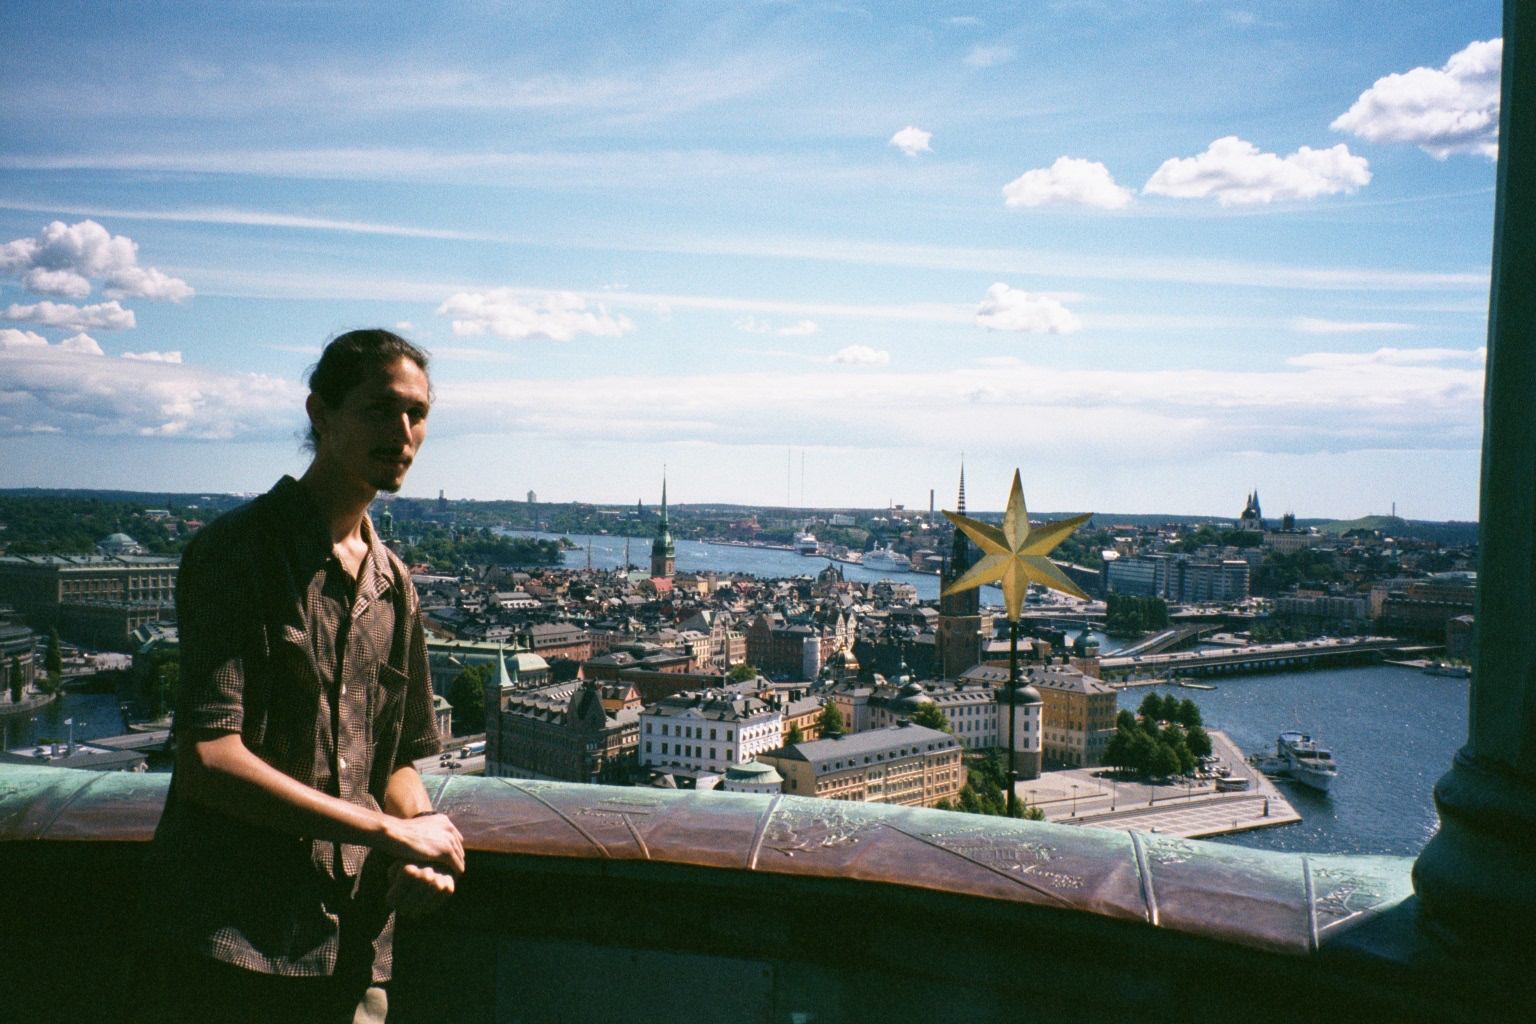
967 602
961 506
663 552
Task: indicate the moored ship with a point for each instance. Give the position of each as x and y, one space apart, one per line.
1307 762
886 560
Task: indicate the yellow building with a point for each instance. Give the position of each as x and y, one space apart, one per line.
904 764
1078 717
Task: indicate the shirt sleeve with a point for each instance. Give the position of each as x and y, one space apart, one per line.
418 728
218 624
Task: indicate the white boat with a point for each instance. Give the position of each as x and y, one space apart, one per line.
1440 668
886 560
806 543
1309 763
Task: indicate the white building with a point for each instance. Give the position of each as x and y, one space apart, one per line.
707 732
976 709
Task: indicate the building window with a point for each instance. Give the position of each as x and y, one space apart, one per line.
663 748
728 736
711 753
647 746
711 734
663 729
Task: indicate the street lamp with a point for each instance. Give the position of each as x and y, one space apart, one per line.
1074 799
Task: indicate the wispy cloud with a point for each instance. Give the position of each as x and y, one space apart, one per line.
1042 263
1312 325
556 316
981 56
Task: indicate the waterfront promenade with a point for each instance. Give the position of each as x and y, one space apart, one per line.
1082 796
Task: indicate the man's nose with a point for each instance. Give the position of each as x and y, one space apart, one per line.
403 428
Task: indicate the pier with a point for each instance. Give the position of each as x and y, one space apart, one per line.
1084 796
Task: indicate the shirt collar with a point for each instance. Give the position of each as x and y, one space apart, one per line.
312 538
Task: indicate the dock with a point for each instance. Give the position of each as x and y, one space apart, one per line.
1083 796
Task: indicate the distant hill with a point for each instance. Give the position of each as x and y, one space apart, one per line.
1452 533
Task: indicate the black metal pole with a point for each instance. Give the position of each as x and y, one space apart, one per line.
1013 718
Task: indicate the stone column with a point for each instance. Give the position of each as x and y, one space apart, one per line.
1478 874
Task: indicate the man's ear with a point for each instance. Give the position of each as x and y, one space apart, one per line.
314 405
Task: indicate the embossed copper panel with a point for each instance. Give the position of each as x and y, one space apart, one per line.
1280 902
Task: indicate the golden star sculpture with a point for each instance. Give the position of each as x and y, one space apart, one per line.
1015 556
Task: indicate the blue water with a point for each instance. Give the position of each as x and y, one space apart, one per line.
94 714
1393 731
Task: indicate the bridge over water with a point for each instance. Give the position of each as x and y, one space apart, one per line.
1303 654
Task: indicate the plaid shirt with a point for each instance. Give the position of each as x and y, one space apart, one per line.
326 680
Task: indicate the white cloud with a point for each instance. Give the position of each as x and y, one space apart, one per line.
1387 357
104 316
750 324
1068 180
1454 109
859 355
912 141
64 389
10 337
154 357
1011 309
801 329
405 325
82 343
1326 402
559 316
1236 173
64 259
1312 325
986 56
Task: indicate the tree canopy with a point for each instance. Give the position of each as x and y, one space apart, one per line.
467 695
830 720
929 716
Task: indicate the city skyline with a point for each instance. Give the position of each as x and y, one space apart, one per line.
1192 252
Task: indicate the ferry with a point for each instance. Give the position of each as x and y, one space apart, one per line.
806 543
1440 668
1307 762
886 560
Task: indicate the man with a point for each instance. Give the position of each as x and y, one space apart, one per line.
295 823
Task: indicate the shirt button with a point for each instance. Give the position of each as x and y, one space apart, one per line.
342 762
343 689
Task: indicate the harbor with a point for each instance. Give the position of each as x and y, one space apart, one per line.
1095 798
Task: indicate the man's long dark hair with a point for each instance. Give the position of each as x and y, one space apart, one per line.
352 356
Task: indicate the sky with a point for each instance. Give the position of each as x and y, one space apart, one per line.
1153 255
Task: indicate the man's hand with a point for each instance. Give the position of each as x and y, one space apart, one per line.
416 890
428 839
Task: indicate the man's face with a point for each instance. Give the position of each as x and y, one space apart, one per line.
375 433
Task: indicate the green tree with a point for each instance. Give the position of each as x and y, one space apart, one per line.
53 661
1030 813
1188 714
1151 707
1125 719
741 673
1165 762
943 805
1199 741
467 695
968 800
930 717
1143 749
1118 752
830 720
796 734
17 680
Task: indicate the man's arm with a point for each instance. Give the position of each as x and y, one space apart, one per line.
221 773
416 889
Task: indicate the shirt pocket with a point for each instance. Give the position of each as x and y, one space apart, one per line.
386 704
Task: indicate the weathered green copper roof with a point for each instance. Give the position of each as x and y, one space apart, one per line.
1281 902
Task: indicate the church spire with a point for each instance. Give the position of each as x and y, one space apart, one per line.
961 507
